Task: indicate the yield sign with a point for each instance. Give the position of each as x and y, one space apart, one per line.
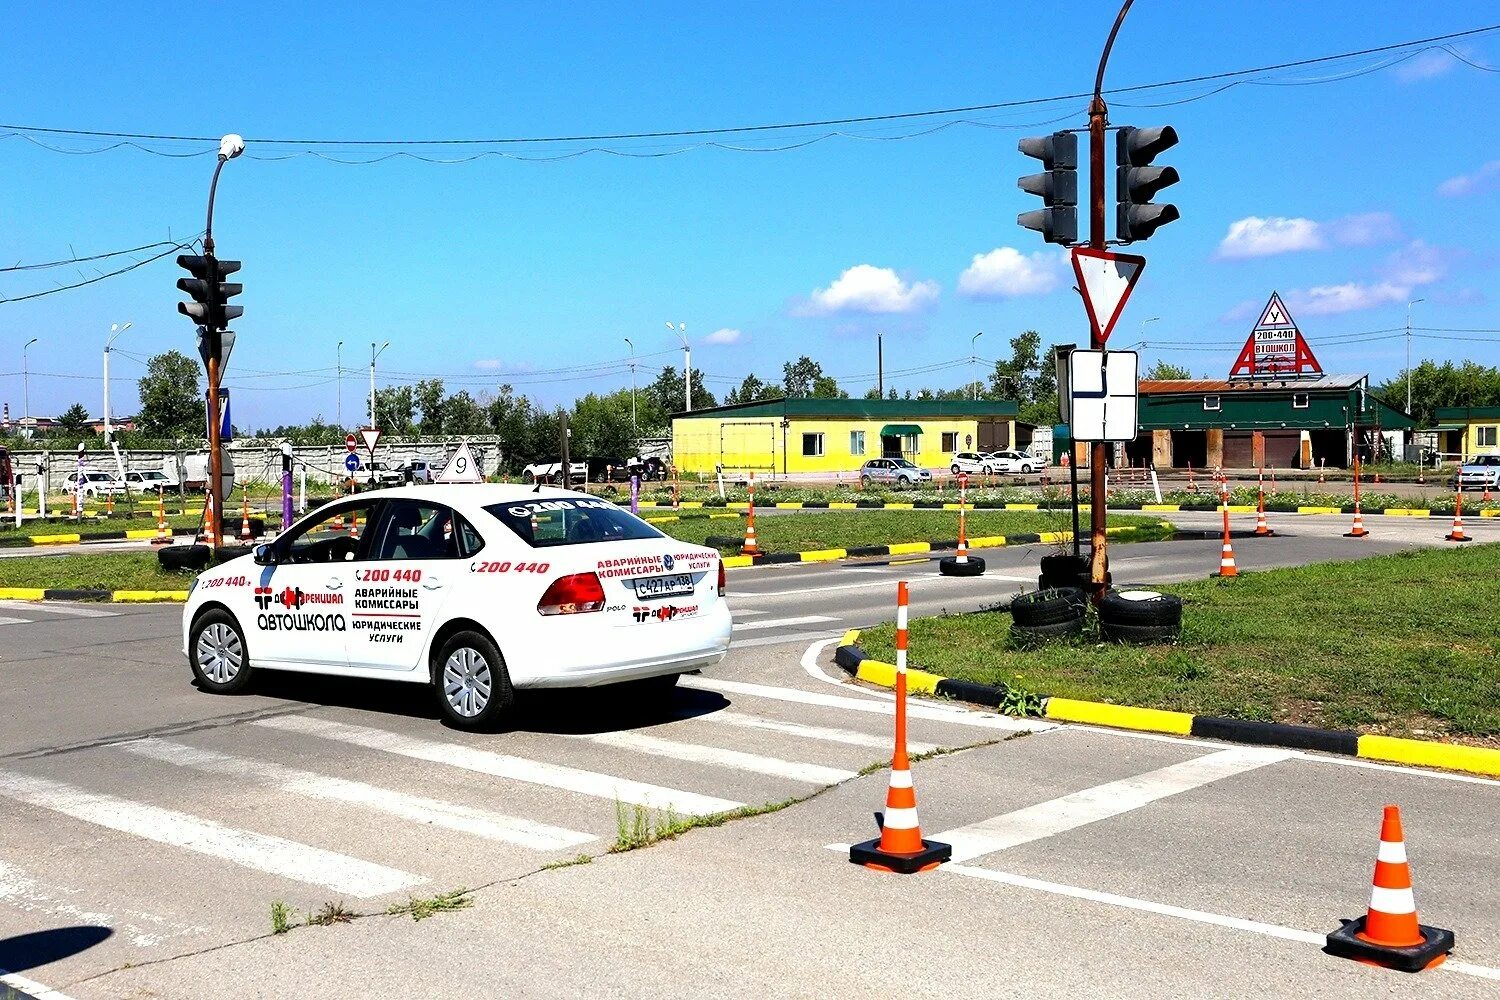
1105 280
370 435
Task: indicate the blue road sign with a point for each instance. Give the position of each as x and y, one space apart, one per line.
351 462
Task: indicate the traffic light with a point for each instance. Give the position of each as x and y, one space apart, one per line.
1057 186
1137 182
210 292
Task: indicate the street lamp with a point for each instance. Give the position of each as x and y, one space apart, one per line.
374 353
230 146
339 411
632 386
26 378
687 365
1408 353
115 330
974 360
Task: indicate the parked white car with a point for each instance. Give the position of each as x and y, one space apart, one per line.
973 462
474 590
94 484
148 482
551 472
1016 462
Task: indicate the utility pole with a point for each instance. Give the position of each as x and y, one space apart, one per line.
1099 456
26 377
880 364
687 365
1408 353
633 430
374 353
114 331
974 360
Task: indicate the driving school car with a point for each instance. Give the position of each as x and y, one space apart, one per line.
475 590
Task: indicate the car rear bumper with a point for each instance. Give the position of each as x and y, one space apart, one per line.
601 658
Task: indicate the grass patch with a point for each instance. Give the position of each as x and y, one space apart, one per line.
331 913
281 917
422 907
102 571
1403 644
801 532
582 859
639 826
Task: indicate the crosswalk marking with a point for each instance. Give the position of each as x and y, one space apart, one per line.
504 766
262 852
22 892
783 623
66 610
744 720
781 640
878 706
737 759
1059 815
15 621
419 809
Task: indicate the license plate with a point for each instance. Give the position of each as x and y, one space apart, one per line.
663 586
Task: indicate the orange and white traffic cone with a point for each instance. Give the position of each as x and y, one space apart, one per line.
163 533
245 535
1389 933
353 524
961 563
1486 498
900 847
210 531
1358 531
109 505
338 521
1321 467
963 541
1457 534
749 548
1227 568
1262 529
1192 483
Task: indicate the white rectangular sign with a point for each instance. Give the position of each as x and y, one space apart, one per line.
1103 395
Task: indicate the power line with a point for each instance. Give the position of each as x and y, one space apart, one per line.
100 277
84 260
1429 42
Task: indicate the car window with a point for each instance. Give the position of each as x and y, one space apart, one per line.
333 536
414 529
546 523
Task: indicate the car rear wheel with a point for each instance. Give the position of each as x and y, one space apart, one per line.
864 481
218 655
473 687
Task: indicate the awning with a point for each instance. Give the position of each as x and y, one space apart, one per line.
899 430
1449 427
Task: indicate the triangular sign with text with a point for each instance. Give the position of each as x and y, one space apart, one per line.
461 467
1276 348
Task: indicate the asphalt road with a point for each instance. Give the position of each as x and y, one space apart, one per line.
146 828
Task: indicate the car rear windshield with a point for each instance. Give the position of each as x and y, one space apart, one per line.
545 523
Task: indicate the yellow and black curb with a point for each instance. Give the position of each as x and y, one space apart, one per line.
1391 749
918 548
74 537
85 594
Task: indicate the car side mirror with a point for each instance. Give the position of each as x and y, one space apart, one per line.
264 555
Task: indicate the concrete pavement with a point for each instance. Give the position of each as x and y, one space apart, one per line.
132 804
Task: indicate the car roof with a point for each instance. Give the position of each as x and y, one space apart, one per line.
475 494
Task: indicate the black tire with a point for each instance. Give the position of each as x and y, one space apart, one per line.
471 656
950 566
183 558
1027 636
864 481
1064 565
1140 607
955 470
1141 635
218 654
529 477
1048 607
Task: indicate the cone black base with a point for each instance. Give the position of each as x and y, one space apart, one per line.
1356 534
1450 538
950 566
1344 943
932 853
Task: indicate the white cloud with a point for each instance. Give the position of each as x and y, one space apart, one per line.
1433 62
1254 236
865 288
1480 181
724 336
1005 272
1417 264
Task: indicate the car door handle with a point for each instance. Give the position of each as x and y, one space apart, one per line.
335 583
431 583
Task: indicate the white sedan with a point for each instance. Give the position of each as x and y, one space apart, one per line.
475 590
1015 462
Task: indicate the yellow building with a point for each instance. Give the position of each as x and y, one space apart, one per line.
792 436
1467 431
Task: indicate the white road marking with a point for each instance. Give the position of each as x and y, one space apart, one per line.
1068 812
777 640
739 760
504 766
845 736
417 808
66 610
784 622
273 855
745 612
15 621
980 720
21 892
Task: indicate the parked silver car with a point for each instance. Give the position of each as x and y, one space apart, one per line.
896 472
1480 471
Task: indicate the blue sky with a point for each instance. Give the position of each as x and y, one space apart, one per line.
1348 197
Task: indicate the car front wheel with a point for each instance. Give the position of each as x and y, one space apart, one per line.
956 470
473 687
219 658
864 481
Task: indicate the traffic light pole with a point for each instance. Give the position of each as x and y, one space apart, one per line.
1099 457
215 342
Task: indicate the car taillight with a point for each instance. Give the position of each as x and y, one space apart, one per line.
721 578
572 595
